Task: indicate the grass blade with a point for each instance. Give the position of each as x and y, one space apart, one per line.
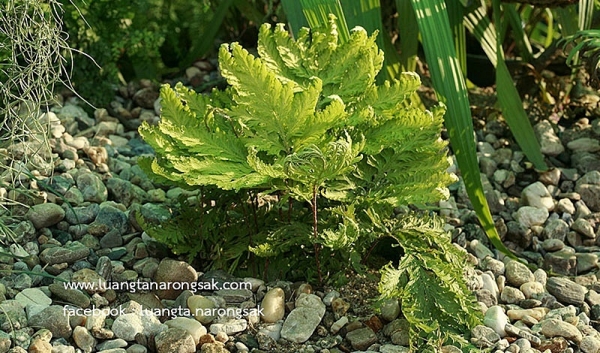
317 14
409 35
433 23
521 39
294 14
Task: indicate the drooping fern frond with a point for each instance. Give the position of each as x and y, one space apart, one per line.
430 282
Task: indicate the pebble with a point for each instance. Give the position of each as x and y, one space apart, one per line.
537 195
193 327
173 271
175 340
362 338
54 319
550 144
566 291
45 215
496 319
127 326
304 319
588 186
552 328
517 273
68 253
273 305
529 216
83 339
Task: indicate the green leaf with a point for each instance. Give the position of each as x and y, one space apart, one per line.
451 89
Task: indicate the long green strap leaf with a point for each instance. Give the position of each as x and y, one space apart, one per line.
514 114
521 39
294 14
447 78
317 14
479 24
409 35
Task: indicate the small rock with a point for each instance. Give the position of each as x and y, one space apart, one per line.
566 291
127 326
590 344
517 273
202 308
54 319
362 338
172 271
84 339
588 186
193 327
552 328
537 195
92 187
390 309
304 319
68 253
556 229
175 340
496 319
584 228
273 305
550 144
45 215
511 295
529 216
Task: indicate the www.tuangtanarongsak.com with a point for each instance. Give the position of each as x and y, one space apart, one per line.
144 286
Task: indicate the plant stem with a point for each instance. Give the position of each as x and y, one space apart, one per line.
316 246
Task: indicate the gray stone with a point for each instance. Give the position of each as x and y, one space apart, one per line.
192 326
553 244
398 331
529 216
229 327
562 262
511 295
586 262
550 143
109 218
111 344
517 273
553 328
126 192
32 296
45 215
590 344
127 326
83 339
170 270
537 195
175 340
92 187
82 214
496 319
584 144
556 229
68 253
583 227
566 291
54 319
588 187
483 336
390 309
362 338
12 316
73 296
304 319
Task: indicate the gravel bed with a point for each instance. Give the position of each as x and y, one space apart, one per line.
551 220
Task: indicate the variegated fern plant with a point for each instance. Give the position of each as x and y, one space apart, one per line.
306 123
